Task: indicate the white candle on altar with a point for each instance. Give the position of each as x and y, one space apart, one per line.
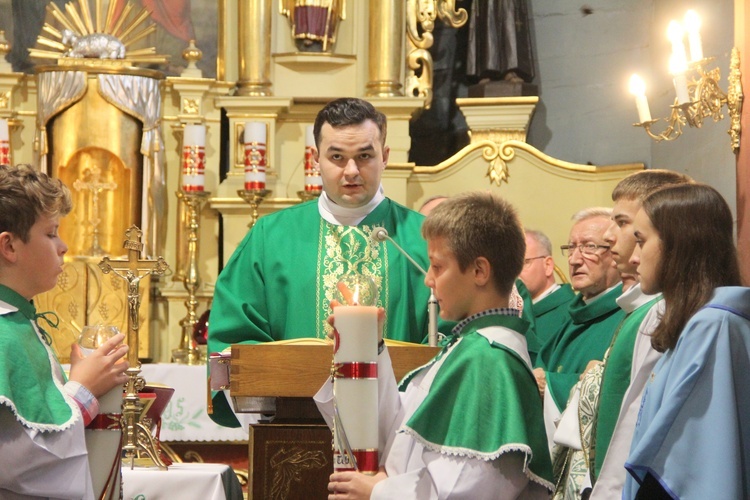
255 155
194 157
313 181
255 132
638 89
4 143
4 132
355 386
678 67
693 26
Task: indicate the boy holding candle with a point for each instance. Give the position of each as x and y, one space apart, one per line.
469 423
42 414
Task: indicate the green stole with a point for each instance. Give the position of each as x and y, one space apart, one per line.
586 336
27 385
483 402
615 382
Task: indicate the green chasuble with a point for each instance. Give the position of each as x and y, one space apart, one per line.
586 336
27 385
551 312
483 401
279 282
616 380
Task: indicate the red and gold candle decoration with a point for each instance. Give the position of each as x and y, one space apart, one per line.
355 382
194 158
255 155
4 143
313 181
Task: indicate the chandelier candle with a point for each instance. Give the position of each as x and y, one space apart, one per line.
255 155
355 388
194 158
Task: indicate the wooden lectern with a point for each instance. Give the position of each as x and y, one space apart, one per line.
291 452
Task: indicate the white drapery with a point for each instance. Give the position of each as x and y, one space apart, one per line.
140 97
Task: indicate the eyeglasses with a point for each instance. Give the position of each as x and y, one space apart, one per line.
589 249
528 261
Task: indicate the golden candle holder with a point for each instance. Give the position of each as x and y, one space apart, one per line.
309 195
706 99
186 353
253 197
138 441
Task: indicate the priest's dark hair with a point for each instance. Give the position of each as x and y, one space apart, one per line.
694 224
25 195
348 111
481 224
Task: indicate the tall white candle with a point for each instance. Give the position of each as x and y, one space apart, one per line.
4 143
309 137
194 157
313 181
693 26
255 155
638 89
356 386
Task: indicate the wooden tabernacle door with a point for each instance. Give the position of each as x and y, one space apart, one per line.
290 452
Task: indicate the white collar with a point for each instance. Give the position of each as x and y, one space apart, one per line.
633 298
589 301
6 308
343 216
549 291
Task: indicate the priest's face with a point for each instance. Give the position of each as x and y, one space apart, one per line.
592 273
647 255
351 161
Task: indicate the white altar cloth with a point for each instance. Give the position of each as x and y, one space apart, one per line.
192 480
185 418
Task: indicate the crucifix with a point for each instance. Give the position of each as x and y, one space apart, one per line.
96 187
137 434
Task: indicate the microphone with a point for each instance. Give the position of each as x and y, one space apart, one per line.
379 235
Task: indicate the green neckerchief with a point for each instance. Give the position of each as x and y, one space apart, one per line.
483 403
27 385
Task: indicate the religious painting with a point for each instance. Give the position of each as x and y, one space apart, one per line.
177 22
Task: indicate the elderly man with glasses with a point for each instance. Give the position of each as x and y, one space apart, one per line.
593 315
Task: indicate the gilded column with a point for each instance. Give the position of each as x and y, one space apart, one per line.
386 48
254 47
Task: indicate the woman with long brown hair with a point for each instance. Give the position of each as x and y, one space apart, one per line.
692 439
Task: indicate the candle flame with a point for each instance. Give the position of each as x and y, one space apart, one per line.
637 85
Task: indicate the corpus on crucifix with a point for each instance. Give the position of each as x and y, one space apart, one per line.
138 437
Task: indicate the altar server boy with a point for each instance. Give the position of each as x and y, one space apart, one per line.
468 424
42 415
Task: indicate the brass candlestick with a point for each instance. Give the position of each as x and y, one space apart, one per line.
308 195
138 440
186 352
253 197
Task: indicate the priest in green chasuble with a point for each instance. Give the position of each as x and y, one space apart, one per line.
280 281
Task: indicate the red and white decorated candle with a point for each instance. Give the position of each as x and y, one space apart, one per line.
313 181
194 158
4 143
255 155
355 387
